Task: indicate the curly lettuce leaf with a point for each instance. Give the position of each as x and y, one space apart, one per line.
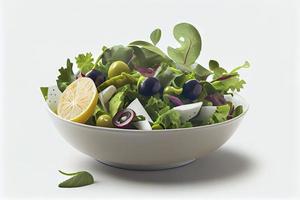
66 76
189 39
85 62
224 81
155 36
170 120
154 106
220 114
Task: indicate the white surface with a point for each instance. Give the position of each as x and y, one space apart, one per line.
258 162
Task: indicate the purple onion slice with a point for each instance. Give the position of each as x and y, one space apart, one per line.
217 99
124 118
175 100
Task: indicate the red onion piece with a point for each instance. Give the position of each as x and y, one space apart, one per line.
146 71
175 100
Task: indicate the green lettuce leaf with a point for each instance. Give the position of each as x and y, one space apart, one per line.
44 91
220 114
189 38
154 106
171 119
201 72
85 62
224 81
66 76
122 98
155 36
166 74
116 103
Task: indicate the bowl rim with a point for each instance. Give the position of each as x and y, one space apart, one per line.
155 131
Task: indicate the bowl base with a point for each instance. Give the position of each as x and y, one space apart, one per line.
146 167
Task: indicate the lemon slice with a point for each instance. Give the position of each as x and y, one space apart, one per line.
77 103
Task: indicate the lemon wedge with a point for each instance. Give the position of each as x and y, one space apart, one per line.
77 103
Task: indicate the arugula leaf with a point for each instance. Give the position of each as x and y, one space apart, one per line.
44 91
155 36
66 76
154 106
85 62
166 74
115 53
79 179
189 38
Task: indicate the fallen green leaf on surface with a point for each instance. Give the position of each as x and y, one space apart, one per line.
78 179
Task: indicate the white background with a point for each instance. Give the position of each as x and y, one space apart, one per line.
259 161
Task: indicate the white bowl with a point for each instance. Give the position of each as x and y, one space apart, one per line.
148 150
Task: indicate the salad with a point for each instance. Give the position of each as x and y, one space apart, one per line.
139 86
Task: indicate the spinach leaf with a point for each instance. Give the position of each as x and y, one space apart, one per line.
66 76
189 38
155 36
79 179
115 53
145 58
148 46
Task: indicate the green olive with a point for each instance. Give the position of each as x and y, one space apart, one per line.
116 68
104 121
172 90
